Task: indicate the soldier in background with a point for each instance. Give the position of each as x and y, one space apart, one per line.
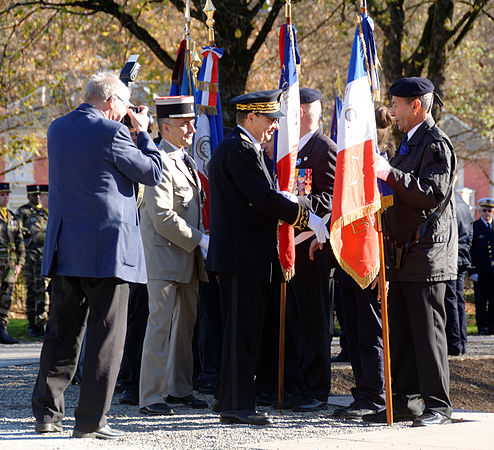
32 218
12 256
482 271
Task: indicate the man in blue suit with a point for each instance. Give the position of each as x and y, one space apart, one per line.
92 251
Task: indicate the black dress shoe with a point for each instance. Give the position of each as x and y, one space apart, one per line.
356 412
380 417
246 416
129 397
103 433
431 418
188 400
48 427
310 405
157 409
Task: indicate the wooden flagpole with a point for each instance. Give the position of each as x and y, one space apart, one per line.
281 346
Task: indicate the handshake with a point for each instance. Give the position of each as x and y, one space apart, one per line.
316 224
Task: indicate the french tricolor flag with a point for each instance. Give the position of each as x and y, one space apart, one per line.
354 234
287 137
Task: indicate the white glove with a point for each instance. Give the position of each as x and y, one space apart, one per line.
288 195
317 225
382 168
474 277
204 244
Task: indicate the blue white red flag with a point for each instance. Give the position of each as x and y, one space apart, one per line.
287 137
354 233
209 124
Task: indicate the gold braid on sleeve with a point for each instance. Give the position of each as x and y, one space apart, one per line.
302 218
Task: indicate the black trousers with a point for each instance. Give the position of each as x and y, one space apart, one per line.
419 351
310 306
456 317
243 301
77 303
137 320
208 334
484 303
363 331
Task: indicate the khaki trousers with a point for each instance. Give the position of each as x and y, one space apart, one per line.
167 360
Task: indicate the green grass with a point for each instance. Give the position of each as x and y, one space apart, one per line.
17 328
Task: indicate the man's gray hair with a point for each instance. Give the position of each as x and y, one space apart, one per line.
426 101
313 110
102 86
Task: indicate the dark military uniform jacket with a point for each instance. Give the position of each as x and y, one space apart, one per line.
464 221
33 222
482 250
244 211
12 249
420 180
314 182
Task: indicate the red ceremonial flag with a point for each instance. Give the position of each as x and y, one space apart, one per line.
354 234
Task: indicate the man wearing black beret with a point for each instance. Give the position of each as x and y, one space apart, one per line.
310 293
245 209
422 252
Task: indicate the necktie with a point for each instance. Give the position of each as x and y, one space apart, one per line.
404 149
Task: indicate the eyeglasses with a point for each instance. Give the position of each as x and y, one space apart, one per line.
120 98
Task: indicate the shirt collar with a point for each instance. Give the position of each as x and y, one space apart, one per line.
174 147
488 224
253 140
305 138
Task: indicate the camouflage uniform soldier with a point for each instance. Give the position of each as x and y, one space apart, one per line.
12 256
33 217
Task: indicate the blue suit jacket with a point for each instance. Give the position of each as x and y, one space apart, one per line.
93 226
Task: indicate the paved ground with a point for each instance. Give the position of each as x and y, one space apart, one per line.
193 429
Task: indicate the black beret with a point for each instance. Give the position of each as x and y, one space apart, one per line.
411 87
308 95
261 102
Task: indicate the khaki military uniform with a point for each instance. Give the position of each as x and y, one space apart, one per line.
12 253
33 220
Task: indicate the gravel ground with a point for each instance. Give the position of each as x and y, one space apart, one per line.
187 429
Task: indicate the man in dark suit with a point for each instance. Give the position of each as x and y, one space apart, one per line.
421 232
245 209
482 271
92 250
310 291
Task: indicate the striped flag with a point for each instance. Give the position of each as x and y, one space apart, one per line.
209 124
287 137
354 234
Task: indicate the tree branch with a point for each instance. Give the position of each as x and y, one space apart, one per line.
266 28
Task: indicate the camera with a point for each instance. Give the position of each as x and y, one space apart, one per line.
128 75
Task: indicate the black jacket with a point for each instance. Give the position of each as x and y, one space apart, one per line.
464 221
420 181
319 155
244 211
482 251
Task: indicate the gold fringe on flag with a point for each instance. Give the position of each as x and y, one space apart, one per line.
207 86
205 109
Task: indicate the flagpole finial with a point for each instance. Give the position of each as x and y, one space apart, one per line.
288 11
209 10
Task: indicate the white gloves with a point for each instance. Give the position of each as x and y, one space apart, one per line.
382 168
474 277
288 195
204 244
317 225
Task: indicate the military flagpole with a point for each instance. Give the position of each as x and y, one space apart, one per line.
281 346
382 279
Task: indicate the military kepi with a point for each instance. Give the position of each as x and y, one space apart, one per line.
175 107
487 201
33 189
413 87
4 187
261 102
308 95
